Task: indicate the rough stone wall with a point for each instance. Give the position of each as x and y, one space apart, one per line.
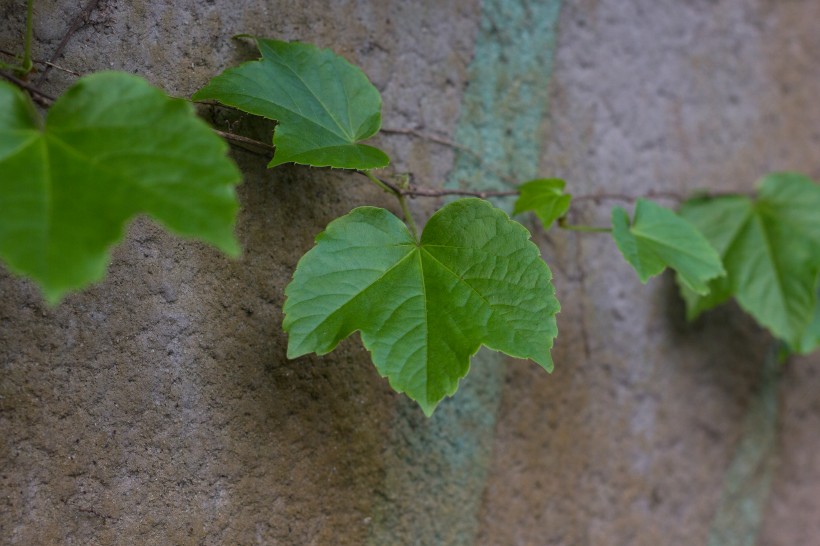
158 407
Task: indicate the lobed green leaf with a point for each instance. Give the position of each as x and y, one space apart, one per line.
324 105
112 147
770 248
657 238
810 337
424 307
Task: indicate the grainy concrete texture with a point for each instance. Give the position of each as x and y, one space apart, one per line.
158 407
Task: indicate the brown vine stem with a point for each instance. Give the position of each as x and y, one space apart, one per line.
651 194
419 191
563 224
79 21
450 144
43 99
45 63
244 141
415 191
397 192
401 193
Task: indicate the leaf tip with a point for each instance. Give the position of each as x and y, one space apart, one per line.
546 363
231 248
53 296
427 408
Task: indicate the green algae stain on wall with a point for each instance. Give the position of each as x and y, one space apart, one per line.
748 480
508 94
436 468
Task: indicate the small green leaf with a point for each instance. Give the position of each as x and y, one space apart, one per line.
658 238
324 105
112 147
545 197
770 249
423 308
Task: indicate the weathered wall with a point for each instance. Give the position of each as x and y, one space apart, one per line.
158 407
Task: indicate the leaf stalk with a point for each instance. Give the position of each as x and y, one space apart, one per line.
399 194
27 66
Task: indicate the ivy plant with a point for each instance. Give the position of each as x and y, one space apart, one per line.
423 301
657 238
424 306
324 105
770 246
545 197
72 180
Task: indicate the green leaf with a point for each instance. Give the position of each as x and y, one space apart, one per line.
112 147
324 104
720 221
423 308
770 249
545 197
810 338
658 238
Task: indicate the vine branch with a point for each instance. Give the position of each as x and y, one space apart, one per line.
397 192
450 144
36 61
244 141
79 21
563 224
43 99
410 191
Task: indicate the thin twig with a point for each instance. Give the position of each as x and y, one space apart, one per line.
432 138
79 22
383 184
397 192
415 191
450 144
411 191
563 224
651 194
239 139
45 63
10 67
41 98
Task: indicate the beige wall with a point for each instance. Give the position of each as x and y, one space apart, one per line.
158 407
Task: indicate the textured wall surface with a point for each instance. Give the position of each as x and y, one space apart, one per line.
158 407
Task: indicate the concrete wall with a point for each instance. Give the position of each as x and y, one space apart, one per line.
158 407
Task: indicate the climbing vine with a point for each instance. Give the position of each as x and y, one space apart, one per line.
424 300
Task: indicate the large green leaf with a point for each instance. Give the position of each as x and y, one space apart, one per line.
112 147
545 197
657 238
720 221
423 308
770 249
324 104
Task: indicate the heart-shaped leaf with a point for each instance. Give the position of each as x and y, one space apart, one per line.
423 308
324 105
770 248
112 147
